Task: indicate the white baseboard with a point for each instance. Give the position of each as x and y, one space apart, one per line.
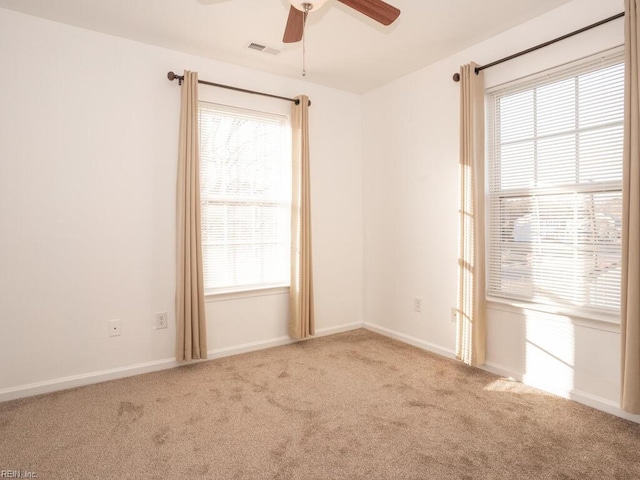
247 347
276 342
593 401
73 381
501 371
347 327
416 342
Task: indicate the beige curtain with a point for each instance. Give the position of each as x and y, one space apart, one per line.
301 321
630 307
191 329
471 325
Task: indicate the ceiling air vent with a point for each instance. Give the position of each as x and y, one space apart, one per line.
263 48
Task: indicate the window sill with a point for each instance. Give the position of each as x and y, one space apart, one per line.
608 323
225 295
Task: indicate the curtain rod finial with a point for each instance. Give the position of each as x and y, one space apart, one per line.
456 77
172 76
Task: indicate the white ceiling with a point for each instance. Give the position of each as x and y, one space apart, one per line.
344 49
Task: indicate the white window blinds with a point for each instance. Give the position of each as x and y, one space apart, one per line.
554 174
245 179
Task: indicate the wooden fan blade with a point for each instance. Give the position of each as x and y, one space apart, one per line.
377 9
295 26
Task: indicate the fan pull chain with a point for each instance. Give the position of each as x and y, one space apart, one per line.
304 47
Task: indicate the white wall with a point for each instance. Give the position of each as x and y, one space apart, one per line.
410 152
88 145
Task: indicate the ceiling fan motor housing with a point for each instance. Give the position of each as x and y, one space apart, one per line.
315 4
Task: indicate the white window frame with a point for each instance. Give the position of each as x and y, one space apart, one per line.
230 292
608 58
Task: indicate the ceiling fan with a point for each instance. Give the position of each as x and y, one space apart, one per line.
378 10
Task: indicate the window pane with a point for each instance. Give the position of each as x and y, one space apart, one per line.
602 96
555 107
562 249
246 197
516 168
601 155
516 117
557 161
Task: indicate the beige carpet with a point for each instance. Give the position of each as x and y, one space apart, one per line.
354 406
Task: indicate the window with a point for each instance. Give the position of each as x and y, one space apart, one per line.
245 179
555 187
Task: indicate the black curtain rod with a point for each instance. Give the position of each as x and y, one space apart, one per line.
456 76
172 76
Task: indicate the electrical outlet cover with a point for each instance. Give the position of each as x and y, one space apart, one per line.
417 304
162 320
115 328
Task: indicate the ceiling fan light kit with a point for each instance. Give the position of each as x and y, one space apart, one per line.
308 5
